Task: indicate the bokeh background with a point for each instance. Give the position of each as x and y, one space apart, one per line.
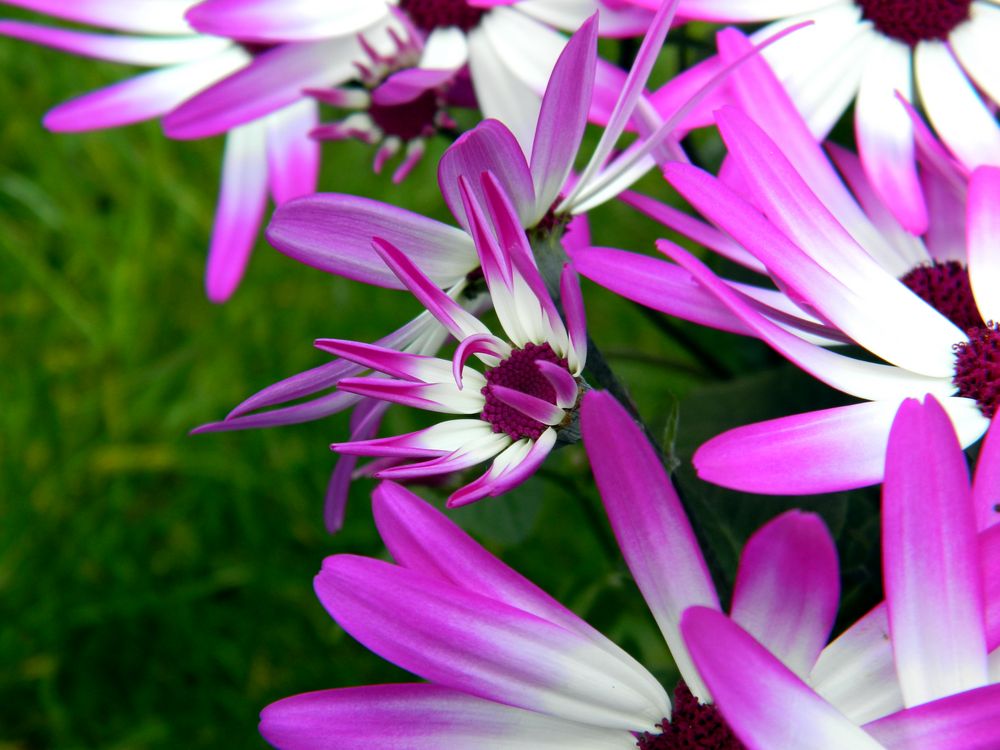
155 588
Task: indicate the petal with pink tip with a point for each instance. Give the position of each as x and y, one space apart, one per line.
365 422
292 155
404 365
431 716
472 643
116 48
564 384
530 406
966 721
508 470
143 97
787 588
763 702
141 16
334 233
431 442
442 397
316 408
576 317
284 20
648 521
480 343
238 216
930 558
469 454
984 240
885 133
273 80
563 115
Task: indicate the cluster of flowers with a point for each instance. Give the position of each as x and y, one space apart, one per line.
879 275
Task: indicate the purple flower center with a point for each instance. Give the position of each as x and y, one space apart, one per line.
977 368
408 120
432 14
912 21
518 372
692 726
945 287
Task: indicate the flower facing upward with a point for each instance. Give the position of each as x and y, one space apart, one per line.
532 381
929 645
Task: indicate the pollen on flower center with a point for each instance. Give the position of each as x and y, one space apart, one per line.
519 373
945 287
432 14
977 368
408 120
692 726
912 21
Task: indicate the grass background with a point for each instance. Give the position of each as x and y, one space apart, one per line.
154 587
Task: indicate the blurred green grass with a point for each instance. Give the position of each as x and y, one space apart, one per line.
155 587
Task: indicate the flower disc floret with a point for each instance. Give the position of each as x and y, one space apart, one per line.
913 21
408 120
945 287
520 373
692 726
977 368
432 14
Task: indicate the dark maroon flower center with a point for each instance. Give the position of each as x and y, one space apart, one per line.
977 368
519 372
692 726
912 21
408 120
432 14
945 287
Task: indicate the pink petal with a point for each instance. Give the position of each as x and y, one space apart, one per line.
984 240
365 422
787 588
143 16
763 702
648 521
986 485
930 557
292 156
283 20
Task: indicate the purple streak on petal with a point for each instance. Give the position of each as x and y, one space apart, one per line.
576 314
427 396
273 80
457 460
317 408
564 384
930 557
648 521
763 702
115 48
496 264
496 481
966 721
141 98
408 84
689 226
403 365
292 156
459 321
242 198
334 233
787 588
489 147
530 406
469 642
283 20
820 451
986 485
148 16
984 240
563 115
480 343
432 717
365 422
656 284
946 207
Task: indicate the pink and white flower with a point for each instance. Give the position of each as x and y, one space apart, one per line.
272 153
942 53
847 273
930 648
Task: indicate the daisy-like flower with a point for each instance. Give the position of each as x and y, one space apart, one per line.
869 52
509 667
530 387
848 273
272 153
510 47
932 645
